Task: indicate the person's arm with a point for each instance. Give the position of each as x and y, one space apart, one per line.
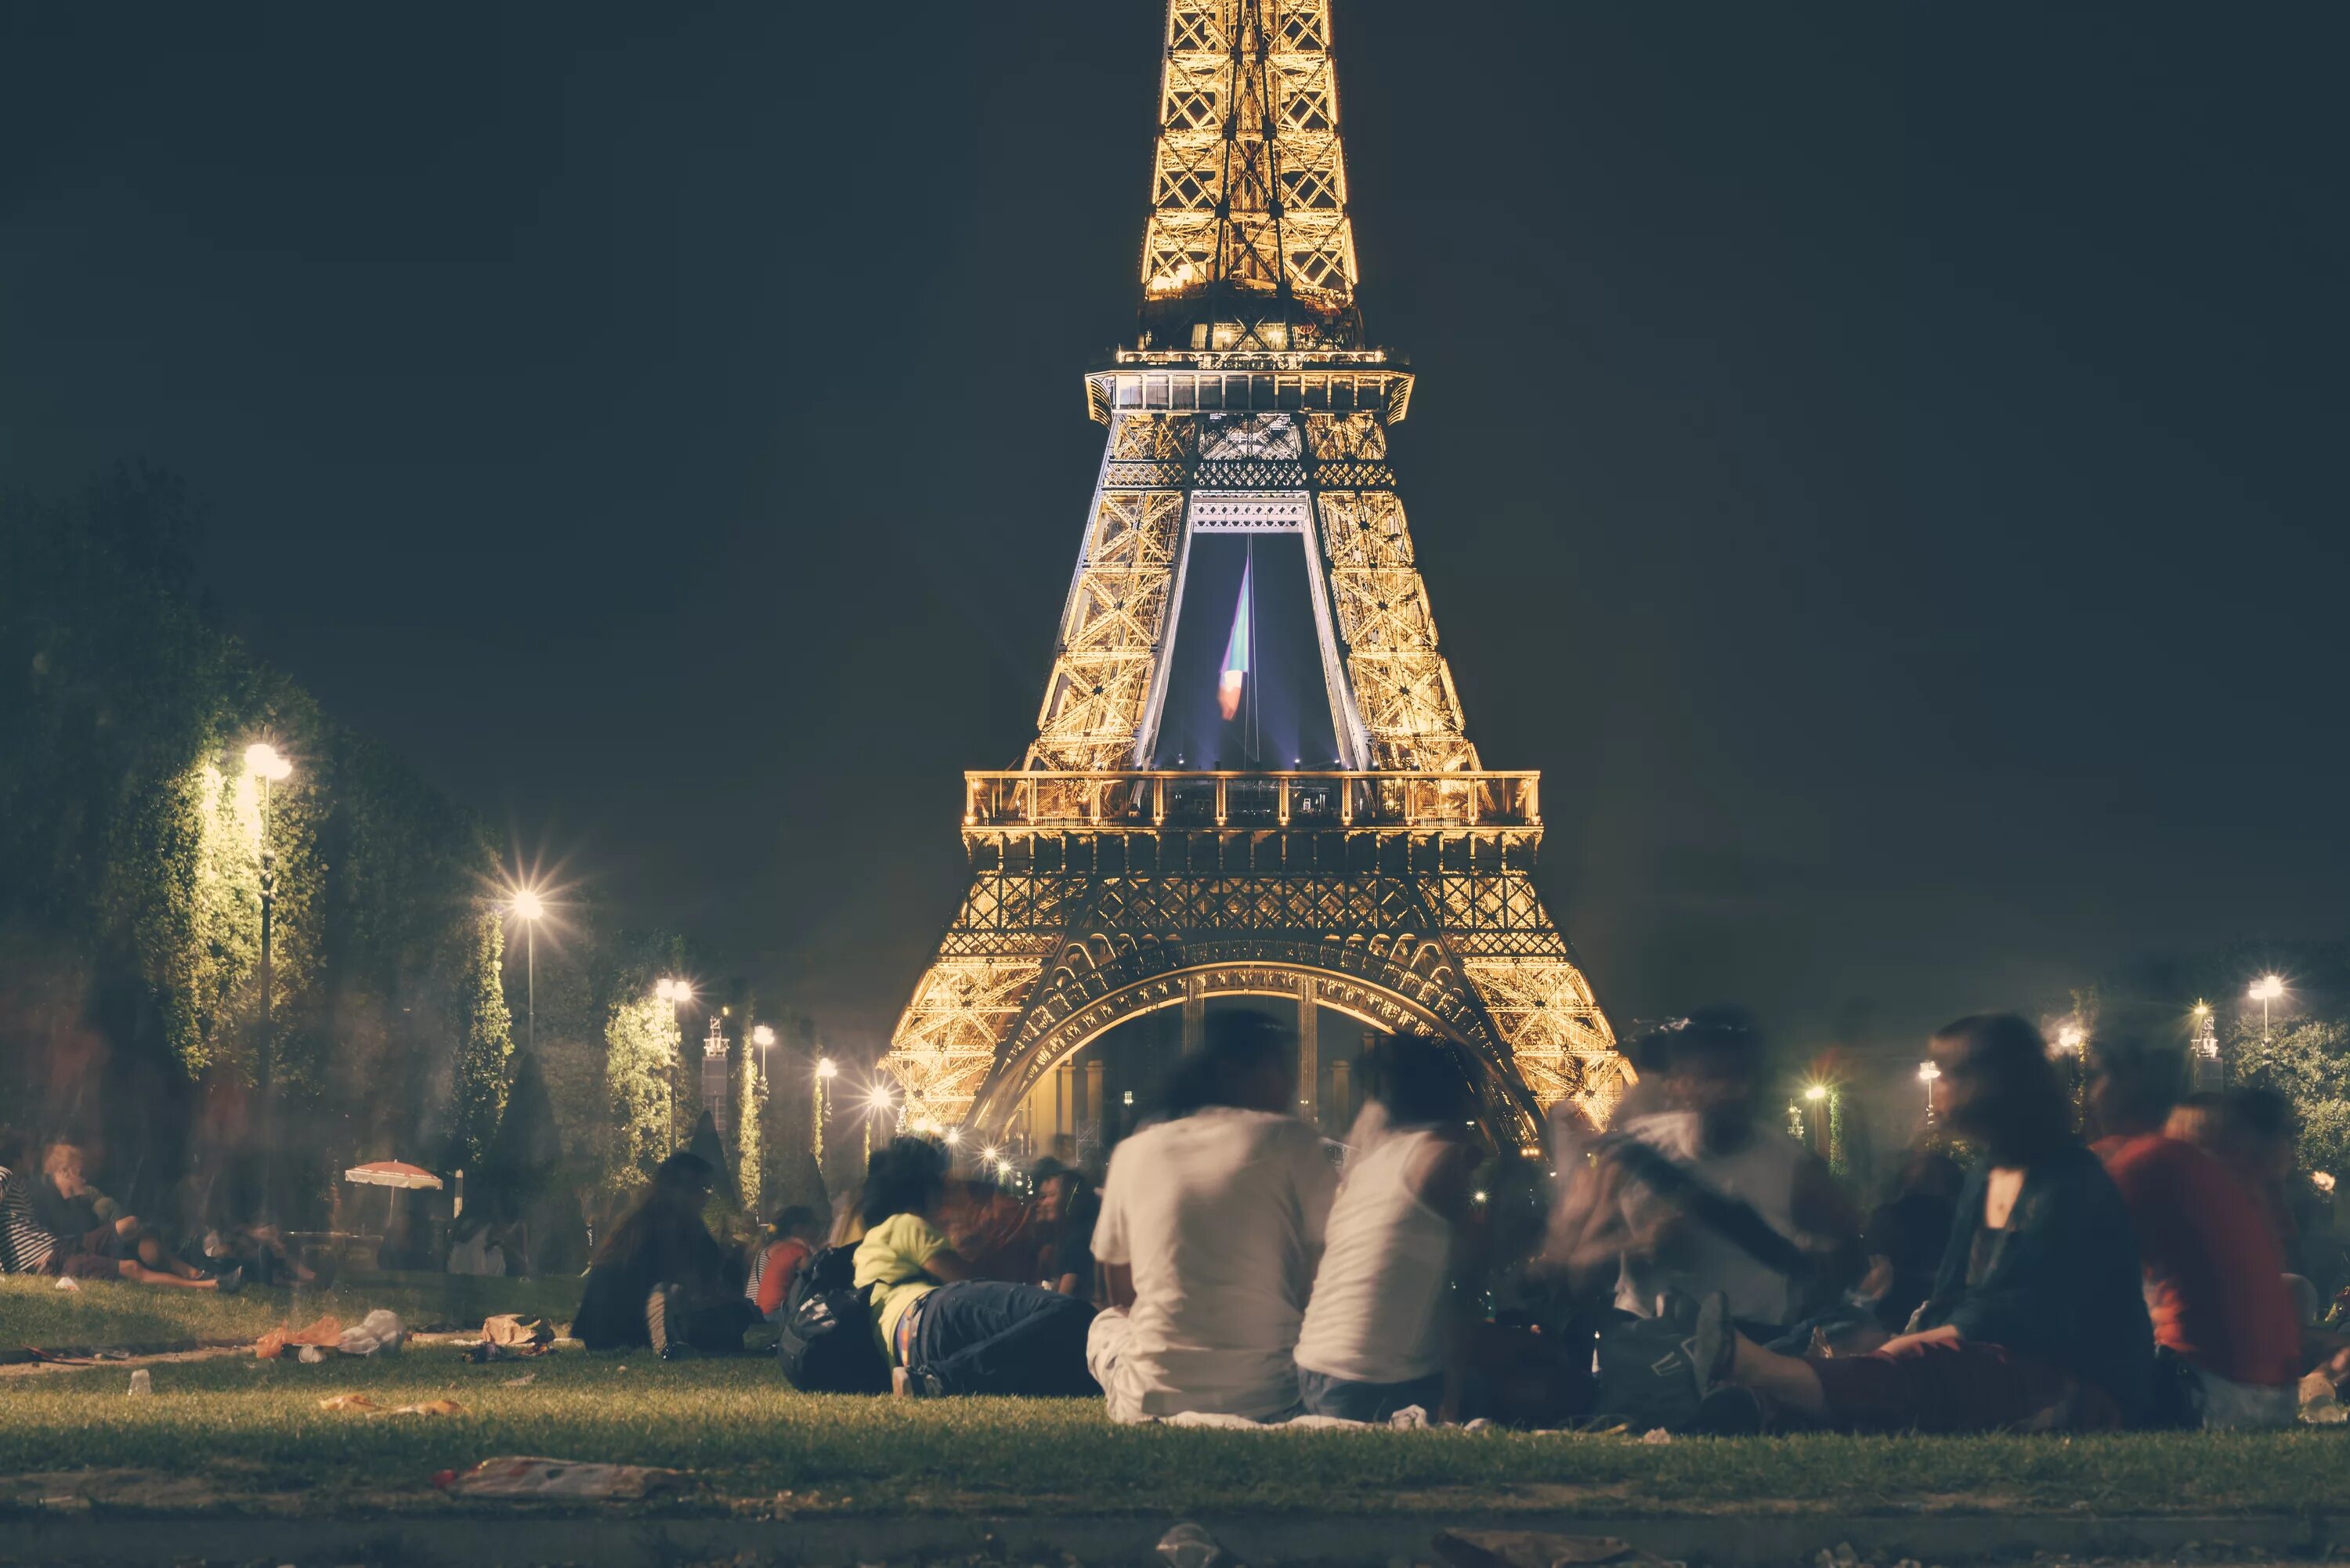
1117 1285
1442 1178
1827 1224
947 1266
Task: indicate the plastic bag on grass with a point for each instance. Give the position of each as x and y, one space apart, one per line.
524 1476
379 1331
367 1406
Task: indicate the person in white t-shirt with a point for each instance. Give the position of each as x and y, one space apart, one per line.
1212 1223
1387 1326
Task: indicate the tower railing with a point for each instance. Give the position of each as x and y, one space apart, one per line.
1300 799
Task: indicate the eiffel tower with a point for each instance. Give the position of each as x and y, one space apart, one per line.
1394 887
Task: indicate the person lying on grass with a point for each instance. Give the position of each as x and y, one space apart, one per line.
2037 1323
112 1246
941 1331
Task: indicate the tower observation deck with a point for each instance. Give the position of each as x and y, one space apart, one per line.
1393 887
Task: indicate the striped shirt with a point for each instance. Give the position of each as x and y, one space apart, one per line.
25 1247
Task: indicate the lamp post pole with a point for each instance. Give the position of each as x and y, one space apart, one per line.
2266 990
263 762
826 1071
1927 1074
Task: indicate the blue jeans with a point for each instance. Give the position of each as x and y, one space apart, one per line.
984 1337
1327 1396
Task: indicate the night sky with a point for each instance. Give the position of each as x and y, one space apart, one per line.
1884 464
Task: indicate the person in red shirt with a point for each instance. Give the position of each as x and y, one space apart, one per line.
2215 1282
790 1242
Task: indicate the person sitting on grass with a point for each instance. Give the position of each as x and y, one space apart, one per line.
789 1241
1066 1211
1388 1325
101 1243
660 1279
1212 1224
2036 1322
1706 1195
941 1331
2215 1278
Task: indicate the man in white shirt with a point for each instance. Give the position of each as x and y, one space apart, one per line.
1212 1224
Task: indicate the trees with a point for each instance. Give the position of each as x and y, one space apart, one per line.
131 844
2308 1059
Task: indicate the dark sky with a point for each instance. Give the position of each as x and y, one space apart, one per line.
1884 464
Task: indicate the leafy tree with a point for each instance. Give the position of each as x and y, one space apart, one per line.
748 1141
2307 1061
486 1041
640 1043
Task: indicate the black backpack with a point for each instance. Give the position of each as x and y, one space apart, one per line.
827 1322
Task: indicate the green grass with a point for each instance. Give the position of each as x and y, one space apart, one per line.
254 1429
33 1312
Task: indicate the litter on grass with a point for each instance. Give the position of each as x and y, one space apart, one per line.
524 1476
367 1406
379 1332
509 1336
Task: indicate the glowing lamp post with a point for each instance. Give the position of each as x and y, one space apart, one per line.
827 1070
878 1103
263 764
1927 1075
528 906
677 994
2206 1047
2268 989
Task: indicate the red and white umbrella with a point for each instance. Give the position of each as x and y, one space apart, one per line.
391 1173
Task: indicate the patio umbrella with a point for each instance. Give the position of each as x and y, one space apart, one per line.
391 1173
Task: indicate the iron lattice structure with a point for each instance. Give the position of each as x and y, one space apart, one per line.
1396 888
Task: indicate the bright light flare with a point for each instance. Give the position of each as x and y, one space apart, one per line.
1927 1071
1817 1093
880 1098
2071 1037
826 1068
262 761
762 1036
954 1137
2268 988
528 904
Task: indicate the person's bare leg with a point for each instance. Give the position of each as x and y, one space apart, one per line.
139 1274
1788 1379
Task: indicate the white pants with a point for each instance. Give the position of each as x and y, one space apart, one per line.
1105 1343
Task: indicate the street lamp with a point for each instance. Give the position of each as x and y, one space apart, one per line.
528 906
1927 1075
677 994
827 1070
877 1102
2269 988
2070 1037
263 762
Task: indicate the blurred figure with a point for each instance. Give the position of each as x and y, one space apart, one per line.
660 1279
1212 1224
789 1241
2037 1321
1067 1207
2214 1273
92 1238
941 1331
1390 1322
1904 1238
1707 1197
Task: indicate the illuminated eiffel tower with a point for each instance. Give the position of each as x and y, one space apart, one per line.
1394 886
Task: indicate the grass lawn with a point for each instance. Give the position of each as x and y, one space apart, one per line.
253 1434
244 1433
33 1312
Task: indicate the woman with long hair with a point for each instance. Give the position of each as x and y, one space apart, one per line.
942 1330
2037 1321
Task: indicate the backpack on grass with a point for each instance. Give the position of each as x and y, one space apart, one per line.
826 1345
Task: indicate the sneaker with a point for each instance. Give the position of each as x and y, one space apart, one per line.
658 1307
228 1285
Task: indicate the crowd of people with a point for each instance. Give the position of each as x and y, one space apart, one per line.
1697 1268
2061 1253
